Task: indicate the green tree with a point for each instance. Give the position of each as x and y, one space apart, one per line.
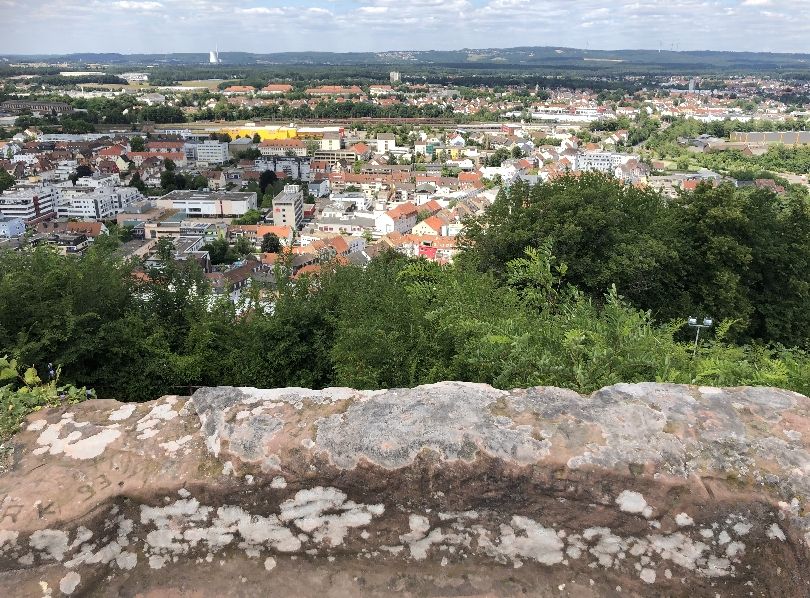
137 144
270 243
266 178
138 183
6 180
249 217
243 246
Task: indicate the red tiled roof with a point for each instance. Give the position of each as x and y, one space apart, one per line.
277 87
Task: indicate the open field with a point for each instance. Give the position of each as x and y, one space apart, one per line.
211 84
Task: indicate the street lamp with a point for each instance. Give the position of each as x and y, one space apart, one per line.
693 323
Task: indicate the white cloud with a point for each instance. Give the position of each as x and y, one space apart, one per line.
137 6
41 26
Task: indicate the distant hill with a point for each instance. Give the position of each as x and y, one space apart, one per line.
521 57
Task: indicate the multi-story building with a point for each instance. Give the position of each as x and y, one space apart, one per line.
400 219
209 204
211 151
385 142
330 141
601 161
37 107
11 227
288 207
31 204
101 204
283 147
294 167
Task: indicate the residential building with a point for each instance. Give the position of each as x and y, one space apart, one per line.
11 227
334 90
401 219
31 204
100 204
211 151
160 147
209 204
288 207
380 90
293 166
335 156
65 243
319 187
283 147
330 141
385 142
601 161
277 88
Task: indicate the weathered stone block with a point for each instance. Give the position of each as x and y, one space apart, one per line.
450 489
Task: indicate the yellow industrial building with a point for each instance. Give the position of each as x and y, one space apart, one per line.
266 133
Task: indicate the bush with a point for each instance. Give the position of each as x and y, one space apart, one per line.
25 392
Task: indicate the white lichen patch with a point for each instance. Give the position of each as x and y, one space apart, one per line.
37 425
327 514
269 563
321 515
531 540
278 482
742 528
172 446
793 435
69 583
8 539
52 543
647 575
149 425
74 444
633 502
126 561
123 412
419 540
775 532
683 520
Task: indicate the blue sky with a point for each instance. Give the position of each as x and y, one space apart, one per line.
157 26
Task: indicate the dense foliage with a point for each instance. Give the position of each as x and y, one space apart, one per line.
531 302
734 254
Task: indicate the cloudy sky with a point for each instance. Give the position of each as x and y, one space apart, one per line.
157 26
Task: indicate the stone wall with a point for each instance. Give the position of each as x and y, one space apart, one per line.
443 490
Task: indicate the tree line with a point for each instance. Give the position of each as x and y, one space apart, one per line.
579 283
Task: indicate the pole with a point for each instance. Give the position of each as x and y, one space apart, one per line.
697 338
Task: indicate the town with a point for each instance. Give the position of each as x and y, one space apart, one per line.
208 167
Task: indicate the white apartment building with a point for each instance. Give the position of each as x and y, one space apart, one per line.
601 161
11 227
101 204
210 204
211 151
385 142
31 204
288 207
330 141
